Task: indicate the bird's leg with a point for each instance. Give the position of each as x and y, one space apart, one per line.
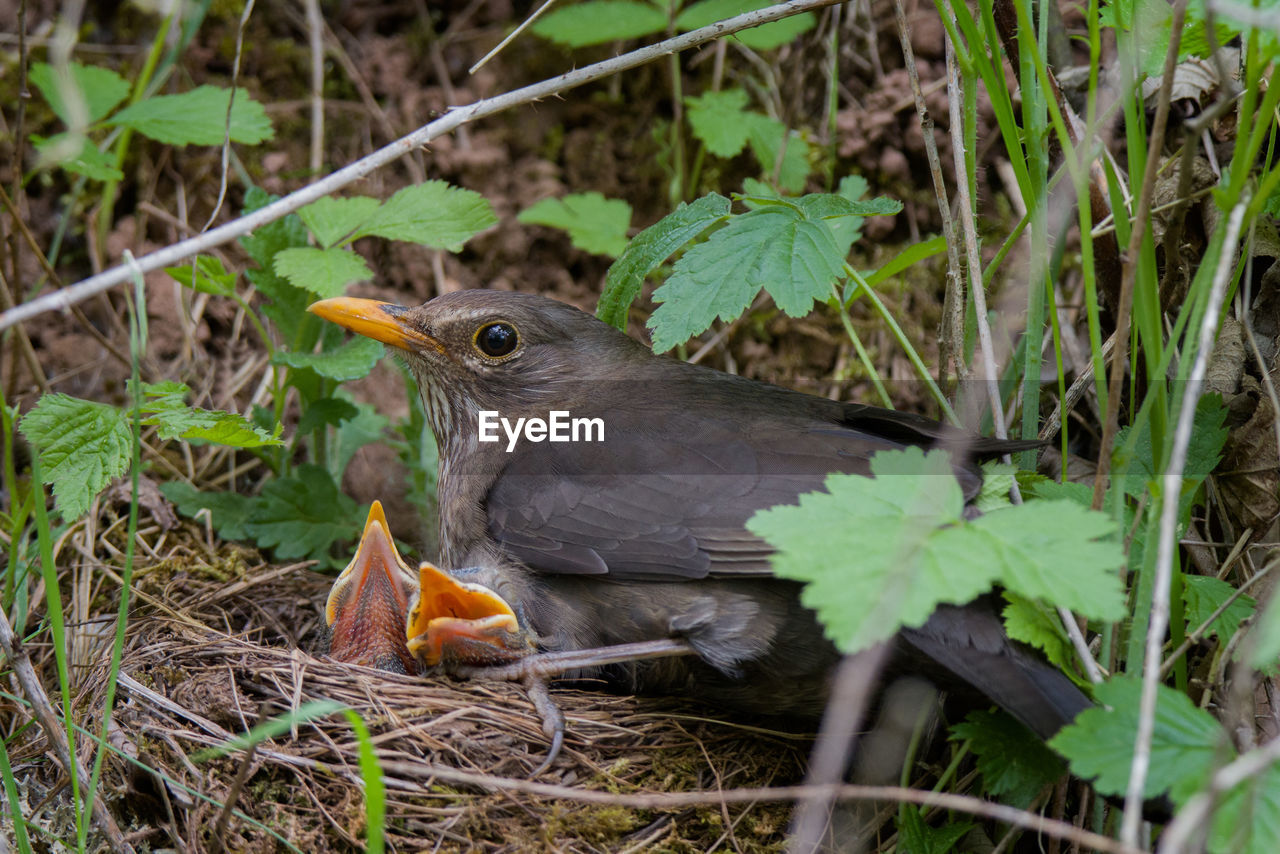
535 671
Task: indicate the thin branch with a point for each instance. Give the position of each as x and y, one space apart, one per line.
1170 492
64 299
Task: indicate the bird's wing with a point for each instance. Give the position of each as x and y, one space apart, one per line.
665 501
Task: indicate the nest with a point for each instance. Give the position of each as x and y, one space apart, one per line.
207 660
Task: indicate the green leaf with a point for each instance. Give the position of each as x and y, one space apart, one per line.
904 527
326 410
228 513
78 155
323 272
303 516
1203 595
778 33
698 15
1247 819
648 249
760 37
595 224
366 427
266 240
1057 551
1186 746
164 409
198 117
913 254
287 305
997 480
332 219
209 277
350 361
774 247
83 447
767 138
1038 625
600 21
433 213
1208 435
719 121
1265 638
1014 763
101 88
920 838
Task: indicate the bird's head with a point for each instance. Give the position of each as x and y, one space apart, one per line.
453 622
479 350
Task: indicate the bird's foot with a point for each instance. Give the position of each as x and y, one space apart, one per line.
535 671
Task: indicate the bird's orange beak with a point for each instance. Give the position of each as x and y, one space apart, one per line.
454 622
367 604
381 321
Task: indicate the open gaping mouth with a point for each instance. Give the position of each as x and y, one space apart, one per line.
455 622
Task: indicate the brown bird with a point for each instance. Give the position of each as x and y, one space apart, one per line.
641 535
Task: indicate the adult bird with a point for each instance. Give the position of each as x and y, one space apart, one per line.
641 535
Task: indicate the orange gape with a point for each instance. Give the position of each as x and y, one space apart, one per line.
453 622
367 605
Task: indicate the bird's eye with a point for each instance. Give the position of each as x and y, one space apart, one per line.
497 339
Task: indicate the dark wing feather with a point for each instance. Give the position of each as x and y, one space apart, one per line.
668 502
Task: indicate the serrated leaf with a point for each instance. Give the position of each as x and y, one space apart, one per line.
266 240
1038 625
650 248
77 154
904 527
1247 819
1203 595
600 21
323 272
367 426
595 224
83 446
164 408
229 513
767 137
1208 434
1057 551
1265 638
101 88
772 247
432 213
759 37
698 15
719 121
303 516
350 361
207 277
920 838
997 480
326 410
776 34
198 117
1014 763
332 219
1186 745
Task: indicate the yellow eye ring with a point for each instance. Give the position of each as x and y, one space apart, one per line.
496 340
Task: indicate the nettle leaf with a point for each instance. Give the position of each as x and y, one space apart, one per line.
776 247
1038 625
77 154
432 213
303 516
595 224
1265 638
207 276
767 137
165 409
287 304
198 117
326 410
1208 435
1057 551
777 33
761 37
1203 595
920 838
266 240
101 88
997 480
83 447
229 513
650 248
323 272
366 427
350 361
904 526
600 21
720 121
1247 819
1186 746
1014 763
332 219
